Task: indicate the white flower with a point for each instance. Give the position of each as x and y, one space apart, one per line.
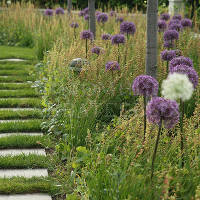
177 86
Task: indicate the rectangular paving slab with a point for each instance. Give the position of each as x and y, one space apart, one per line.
14 152
27 173
26 197
11 134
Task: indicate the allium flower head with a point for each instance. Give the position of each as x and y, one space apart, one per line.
145 85
97 13
60 11
175 26
118 39
165 16
86 17
163 109
127 28
186 23
48 12
171 35
96 50
189 71
112 65
112 13
178 17
168 43
102 18
181 60
86 11
74 25
177 86
162 25
174 21
119 19
81 13
87 35
168 55
106 37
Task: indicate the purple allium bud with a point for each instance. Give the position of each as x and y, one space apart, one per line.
174 21
97 13
165 16
127 28
186 23
60 11
96 50
86 11
175 26
118 39
168 55
102 18
171 35
112 65
168 43
145 85
81 13
162 25
119 19
86 17
177 17
48 12
181 60
189 71
74 25
113 13
87 35
163 109
106 37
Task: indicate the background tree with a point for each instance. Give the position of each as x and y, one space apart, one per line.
92 19
151 47
69 6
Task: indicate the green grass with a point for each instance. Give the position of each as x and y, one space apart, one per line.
15 79
20 114
14 86
18 93
20 126
20 185
14 73
30 161
15 66
23 141
20 103
17 52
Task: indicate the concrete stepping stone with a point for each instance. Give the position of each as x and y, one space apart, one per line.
27 173
13 60
19 109
27 134
26 197
14 152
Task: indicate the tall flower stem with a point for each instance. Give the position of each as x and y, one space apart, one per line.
86 48
182 133
145 116
118 54
155 149
126 50
167 67
75 33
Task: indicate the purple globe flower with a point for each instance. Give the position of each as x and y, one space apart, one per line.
96 50
165 16
60 11
171 35
127 28
181 60
186 23
119 19
81 13
168 55
174 21
86 11
190 71
178 17
113 13
163 109
74 25
175 26
145 85
97 13
112 65
118 39
102 18
48 12
86 17
106 37
87 35
162 25
168 43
